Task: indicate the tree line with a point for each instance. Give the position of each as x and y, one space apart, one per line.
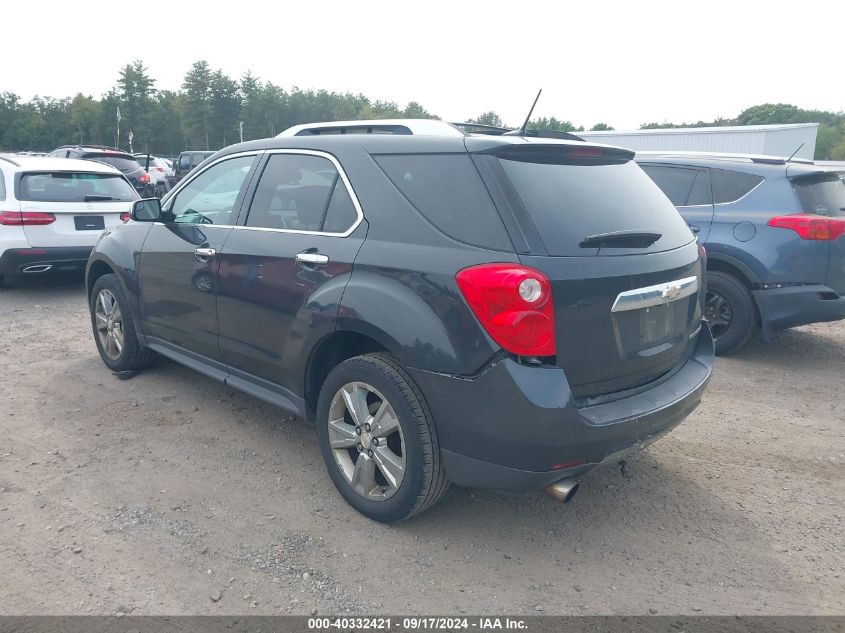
212 110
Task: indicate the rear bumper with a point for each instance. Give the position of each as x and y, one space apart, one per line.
17 261
782 308
518 428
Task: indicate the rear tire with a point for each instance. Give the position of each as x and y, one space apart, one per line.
411 451
730 310
114 329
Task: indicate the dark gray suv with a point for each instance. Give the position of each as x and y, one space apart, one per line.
505 313
775 238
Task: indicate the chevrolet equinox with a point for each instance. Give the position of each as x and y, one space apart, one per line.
498 312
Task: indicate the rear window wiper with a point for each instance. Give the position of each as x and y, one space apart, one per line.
97 198
621 239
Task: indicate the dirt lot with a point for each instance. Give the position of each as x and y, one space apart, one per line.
170 493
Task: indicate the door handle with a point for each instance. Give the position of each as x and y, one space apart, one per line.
312 259
204 252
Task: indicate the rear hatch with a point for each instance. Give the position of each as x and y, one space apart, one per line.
81 205
624 267
823 194
127 164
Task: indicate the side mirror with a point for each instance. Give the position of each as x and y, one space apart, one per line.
146 210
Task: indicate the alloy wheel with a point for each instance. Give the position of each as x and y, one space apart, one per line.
366 441
109 323
718 312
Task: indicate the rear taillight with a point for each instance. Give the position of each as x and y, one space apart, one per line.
26 218
161 169
125 216
144 178
811 227
514 304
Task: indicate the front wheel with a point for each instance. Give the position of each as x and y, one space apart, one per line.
730 311
378 439
114 329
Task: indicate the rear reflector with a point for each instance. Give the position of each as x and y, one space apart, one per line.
811 227
26 218
513 304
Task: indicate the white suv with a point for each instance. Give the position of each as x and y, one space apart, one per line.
52 210
159 172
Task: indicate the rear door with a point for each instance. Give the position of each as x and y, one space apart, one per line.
626 310
82 203
283 269
824 194
688 188
179 262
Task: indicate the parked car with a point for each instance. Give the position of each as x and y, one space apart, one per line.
123 161
773 232
187 161
159 172
499 312
52 212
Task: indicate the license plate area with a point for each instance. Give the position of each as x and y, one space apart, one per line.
653 330
89 222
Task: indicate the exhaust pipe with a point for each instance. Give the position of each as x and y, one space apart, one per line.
562 490
38 268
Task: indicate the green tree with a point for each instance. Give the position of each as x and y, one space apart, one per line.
135 91
225 108
601 127
488 118
196 115
85 115
544 123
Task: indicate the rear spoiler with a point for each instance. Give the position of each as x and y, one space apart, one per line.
799 171
553 153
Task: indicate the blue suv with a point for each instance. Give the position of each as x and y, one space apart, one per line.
773 230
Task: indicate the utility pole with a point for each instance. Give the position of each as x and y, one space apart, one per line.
241 130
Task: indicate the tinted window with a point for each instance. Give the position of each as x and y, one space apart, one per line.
682 185
296 191
730 186
210 197
125 164
447 190
75 187
569 202
822 194
341 213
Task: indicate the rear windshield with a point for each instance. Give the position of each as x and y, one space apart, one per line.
569 202
75 187
123 163
822 195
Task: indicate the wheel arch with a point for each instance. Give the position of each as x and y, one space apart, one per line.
327 354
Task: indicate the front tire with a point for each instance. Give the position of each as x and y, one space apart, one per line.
378 439
114 329
729 309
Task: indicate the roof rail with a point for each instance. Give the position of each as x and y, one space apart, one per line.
9 159
753 158
426 127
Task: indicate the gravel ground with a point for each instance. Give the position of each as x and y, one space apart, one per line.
172 494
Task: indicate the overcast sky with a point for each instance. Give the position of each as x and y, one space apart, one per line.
622 63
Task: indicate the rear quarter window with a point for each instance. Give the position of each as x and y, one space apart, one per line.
447 190
2 186
730 186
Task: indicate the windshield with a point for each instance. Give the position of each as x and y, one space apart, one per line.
75 187
822 194
569 202
125 164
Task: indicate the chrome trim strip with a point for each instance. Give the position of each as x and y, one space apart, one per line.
655 295
308 152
